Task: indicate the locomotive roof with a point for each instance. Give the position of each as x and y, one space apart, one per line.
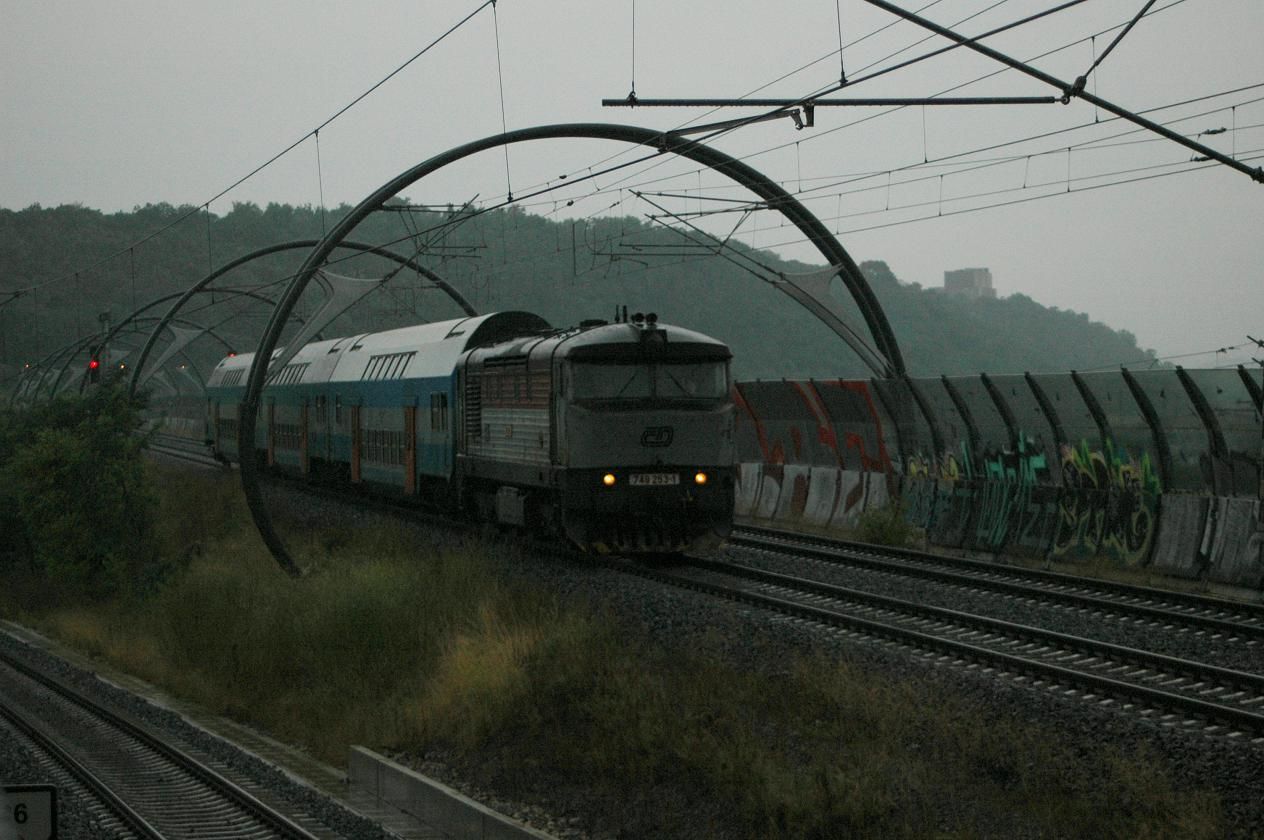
616 342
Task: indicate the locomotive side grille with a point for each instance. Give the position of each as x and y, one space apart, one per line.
514 435
473 404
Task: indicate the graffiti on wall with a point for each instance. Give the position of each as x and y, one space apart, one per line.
815 452
1010 507
1108 505
934 490
944 468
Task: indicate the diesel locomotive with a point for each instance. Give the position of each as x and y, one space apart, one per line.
616 436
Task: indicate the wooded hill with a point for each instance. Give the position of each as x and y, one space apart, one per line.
508 259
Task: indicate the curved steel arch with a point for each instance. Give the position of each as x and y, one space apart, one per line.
888 359
296 244
158 328
41 369
46 365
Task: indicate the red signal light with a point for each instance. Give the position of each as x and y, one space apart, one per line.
94 364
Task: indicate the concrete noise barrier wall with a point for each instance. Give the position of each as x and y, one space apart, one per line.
1158 468
819 453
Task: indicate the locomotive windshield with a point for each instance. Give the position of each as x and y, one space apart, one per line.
663 381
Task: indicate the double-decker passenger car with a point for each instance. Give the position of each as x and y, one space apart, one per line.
619 436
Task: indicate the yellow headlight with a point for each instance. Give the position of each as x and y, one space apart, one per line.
608 479
700 478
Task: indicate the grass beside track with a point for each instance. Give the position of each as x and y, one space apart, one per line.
391 642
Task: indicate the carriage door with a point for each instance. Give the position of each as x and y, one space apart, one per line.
214 406
410 449
271 432
303 459
355 443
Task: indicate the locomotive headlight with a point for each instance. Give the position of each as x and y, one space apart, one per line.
699 478
608 479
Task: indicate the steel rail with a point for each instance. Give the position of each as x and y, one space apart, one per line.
1236 717
230 791
847 553
93 783
1011 629
190 451
1253 610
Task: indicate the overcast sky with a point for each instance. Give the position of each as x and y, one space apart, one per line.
115 105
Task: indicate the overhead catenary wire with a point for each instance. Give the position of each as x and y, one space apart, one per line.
956 87
1170 358
973 165
1058 194
1069 91
1119 38
842 68
196 208
783 77
632 90
944 160
593 175
320 183
500 79
1029 198
822 91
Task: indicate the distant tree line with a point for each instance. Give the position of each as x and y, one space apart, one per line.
563 270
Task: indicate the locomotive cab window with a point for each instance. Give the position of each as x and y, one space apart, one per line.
661 380
698 380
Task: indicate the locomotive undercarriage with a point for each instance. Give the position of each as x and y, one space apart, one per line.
622 518
606 520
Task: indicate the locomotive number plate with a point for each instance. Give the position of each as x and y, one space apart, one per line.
653 479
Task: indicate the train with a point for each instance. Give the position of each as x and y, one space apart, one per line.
615 436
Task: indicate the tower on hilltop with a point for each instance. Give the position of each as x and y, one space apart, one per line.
970 282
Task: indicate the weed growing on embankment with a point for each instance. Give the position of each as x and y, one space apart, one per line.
395 643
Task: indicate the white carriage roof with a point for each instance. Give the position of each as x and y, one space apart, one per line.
436 348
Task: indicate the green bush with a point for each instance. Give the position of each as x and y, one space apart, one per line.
885 526
78 500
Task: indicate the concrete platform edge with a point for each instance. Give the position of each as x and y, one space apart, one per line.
432 801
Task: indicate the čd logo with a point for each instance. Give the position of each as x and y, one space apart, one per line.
657 436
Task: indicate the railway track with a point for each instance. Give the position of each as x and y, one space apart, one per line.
1230 621
182 449
135 782
1171 690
